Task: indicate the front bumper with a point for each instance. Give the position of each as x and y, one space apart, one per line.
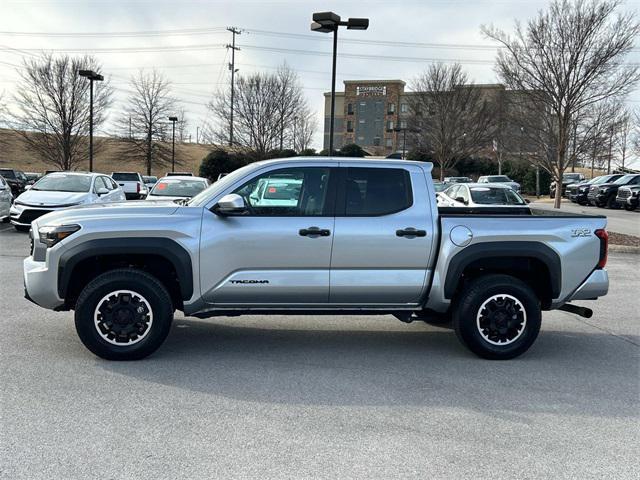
23 215
40 284
596 285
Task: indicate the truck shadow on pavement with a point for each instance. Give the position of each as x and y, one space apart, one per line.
572 372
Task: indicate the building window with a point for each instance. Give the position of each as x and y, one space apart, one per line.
389 125
349 108
404 108
376 141
391 108
389 142
349 126
403 124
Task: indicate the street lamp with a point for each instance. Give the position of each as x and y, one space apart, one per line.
404 137
92 76
326 22
173 121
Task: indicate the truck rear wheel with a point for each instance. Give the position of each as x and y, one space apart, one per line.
123 315
497 317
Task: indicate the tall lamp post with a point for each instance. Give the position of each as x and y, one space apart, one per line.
173 121
92 76
404 137
326 22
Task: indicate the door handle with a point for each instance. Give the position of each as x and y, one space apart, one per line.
411 232
314 232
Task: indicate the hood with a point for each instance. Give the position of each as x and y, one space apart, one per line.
160 198
51 199
108 211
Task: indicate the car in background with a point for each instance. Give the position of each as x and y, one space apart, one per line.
179 174
577 192
149 181
6 198
62 190
439 186
132 184
457 180
480 195
628 197
502 179
567 179
32 177
16 179
604 194
177 188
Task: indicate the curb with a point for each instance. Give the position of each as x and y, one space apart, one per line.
624 249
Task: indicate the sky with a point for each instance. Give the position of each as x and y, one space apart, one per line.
126 35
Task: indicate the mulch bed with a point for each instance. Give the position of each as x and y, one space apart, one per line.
622 239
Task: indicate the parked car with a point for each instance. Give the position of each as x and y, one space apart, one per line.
604 194
61 190
364 236
480 195
567 179
16 179
503 179
6 198
149 181
179 174
32 177
132 184
457 180
577 192
177 188
439 186
628 197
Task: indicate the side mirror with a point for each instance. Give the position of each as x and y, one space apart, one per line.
231 204
102 191
526 200
461 200
28 187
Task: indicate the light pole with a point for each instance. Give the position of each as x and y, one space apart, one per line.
92 76
326 22
173 121
404 137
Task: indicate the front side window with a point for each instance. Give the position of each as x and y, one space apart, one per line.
291 192
377 191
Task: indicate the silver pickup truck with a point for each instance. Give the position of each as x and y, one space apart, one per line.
314 236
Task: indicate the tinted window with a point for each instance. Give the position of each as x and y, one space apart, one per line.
59 182
377 191
287 192
498 178
125 177
495 196
98 184
7 173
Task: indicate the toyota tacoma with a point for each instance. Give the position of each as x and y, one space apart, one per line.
314 236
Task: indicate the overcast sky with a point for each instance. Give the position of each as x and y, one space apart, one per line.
201 67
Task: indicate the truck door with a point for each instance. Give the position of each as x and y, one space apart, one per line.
383 236
279 251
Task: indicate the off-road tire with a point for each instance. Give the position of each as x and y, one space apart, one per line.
468 315
148 288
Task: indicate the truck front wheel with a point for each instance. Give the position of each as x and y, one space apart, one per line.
123 315
497 317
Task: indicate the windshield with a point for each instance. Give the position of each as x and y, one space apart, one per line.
571 176
498 178
439 187
150 179
495 196
178 188
223 183
624 179
7 173
125 177
63 183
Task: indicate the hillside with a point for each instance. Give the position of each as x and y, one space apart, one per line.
14 153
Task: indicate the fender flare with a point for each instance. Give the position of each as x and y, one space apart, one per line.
478 251
163 247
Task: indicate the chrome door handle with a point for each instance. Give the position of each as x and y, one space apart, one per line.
314 232
411 232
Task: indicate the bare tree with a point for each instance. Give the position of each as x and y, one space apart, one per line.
265 106
182 125
568 58
52 102
623 135
454 118
635 136
303 129
148 107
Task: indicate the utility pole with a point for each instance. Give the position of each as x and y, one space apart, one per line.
197 134
232 66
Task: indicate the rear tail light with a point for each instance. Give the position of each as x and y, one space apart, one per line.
604 247
138 187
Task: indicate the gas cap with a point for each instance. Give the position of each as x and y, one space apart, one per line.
461 236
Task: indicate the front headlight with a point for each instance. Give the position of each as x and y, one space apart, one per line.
584 189
52 234
603 190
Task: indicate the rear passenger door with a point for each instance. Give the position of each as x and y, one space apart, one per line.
382 237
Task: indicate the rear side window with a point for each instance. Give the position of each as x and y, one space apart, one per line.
125 177
377 191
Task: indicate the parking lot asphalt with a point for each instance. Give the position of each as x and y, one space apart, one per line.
324 397
618 220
